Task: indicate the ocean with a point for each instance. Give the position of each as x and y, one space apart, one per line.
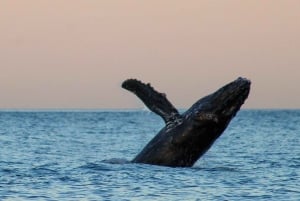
83 155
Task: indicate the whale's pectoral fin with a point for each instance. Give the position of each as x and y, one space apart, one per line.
155 101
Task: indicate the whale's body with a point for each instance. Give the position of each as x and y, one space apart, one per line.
186 137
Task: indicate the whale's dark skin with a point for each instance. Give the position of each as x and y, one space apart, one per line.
186 137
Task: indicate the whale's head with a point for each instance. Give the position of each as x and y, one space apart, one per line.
222 104
206 120
211 114
227 101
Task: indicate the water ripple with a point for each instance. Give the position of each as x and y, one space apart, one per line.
80 156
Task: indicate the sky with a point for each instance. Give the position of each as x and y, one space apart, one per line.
76 53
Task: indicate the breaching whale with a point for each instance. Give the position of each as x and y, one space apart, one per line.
186 137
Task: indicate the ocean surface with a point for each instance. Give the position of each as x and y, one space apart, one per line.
81 155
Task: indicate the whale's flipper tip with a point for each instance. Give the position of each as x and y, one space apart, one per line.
157 102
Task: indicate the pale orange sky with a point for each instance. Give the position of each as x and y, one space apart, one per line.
75 54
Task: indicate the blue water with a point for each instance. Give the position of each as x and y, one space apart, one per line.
81 156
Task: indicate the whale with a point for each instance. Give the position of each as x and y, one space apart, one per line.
187 136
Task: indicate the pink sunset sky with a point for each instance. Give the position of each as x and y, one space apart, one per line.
75 54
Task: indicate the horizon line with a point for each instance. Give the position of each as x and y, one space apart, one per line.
117 109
